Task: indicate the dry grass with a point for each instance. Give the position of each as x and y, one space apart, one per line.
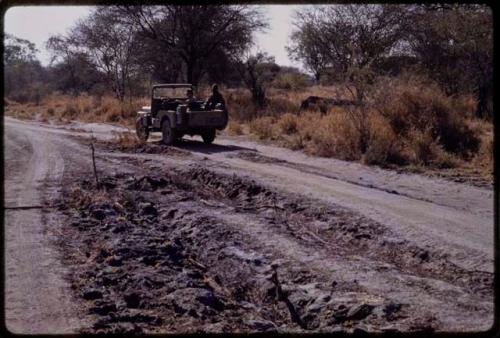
279 101
383 146
64 108
418 106
263 127
409 122
234 128
288 124
330 135
126 140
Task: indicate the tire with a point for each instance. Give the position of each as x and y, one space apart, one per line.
168 134
141 131
208 136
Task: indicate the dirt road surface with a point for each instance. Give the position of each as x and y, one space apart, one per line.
393 251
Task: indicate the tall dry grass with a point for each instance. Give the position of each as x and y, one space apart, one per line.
83 108
279 101
418 107
408 121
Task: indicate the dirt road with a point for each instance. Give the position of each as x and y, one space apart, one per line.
36 297
364 237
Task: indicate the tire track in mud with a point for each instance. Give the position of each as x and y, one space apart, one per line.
204 245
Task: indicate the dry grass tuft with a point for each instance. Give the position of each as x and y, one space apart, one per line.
234 128
263 127
383 144
126 140
330 135
288 123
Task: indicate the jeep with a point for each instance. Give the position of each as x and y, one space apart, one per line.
174 115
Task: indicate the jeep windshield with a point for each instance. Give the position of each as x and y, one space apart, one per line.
171 92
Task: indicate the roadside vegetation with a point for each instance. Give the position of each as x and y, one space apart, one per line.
414 81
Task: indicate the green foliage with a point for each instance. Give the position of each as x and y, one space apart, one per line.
257 72
23 74
18 50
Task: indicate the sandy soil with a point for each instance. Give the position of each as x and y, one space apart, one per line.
258 238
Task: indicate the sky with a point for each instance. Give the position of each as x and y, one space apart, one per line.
38 23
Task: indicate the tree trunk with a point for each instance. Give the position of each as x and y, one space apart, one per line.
482 101
317 77
190 72
359 96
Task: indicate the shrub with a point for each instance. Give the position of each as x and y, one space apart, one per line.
288 123
290 81
427 151
279 105
262 127
383 144
411 102
71 110
240 106
331 135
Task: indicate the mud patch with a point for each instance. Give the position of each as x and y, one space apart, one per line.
143 148
255 157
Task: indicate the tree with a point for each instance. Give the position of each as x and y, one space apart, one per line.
194 34
454 43
69 69
110 46
18 50
302 45
23 72
161 66
348 39
257 71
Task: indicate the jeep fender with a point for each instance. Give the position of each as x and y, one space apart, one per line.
162 115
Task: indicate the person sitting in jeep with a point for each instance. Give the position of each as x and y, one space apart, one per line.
215 98
191 100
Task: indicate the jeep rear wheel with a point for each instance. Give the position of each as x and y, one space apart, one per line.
208 136
167 133
141 130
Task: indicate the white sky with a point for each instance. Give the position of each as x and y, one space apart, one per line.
38 23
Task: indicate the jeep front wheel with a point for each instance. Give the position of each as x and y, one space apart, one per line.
208 136
141 130
167 133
